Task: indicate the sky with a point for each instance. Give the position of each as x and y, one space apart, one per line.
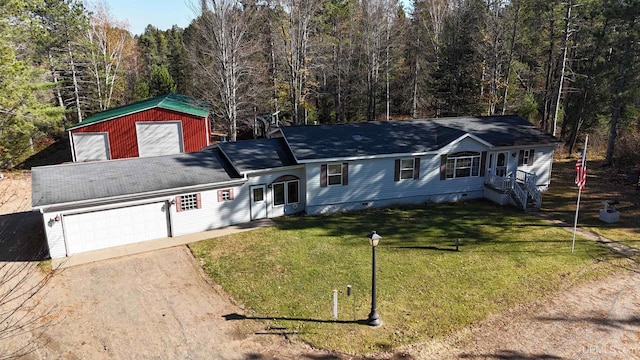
160 13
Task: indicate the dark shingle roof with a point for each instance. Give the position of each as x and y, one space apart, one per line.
260 154
404 137
59 184
175 102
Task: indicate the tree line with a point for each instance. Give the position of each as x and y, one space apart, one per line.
570 66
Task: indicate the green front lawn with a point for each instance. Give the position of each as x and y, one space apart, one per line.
287 273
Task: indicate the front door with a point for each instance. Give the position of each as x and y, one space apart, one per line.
258 202
502 163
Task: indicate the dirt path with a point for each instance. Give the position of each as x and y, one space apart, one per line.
15 192
152 305
160 305
597 320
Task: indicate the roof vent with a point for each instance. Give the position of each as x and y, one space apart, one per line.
357 137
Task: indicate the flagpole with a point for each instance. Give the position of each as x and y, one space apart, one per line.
575 222
580 184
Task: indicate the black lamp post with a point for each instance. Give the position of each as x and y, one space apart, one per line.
374 318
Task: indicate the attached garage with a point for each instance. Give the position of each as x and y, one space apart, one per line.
113 227
97 205
164 125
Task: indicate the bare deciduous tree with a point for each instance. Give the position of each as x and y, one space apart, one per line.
377 16
296 29
429 17
108 38
22 316
221 54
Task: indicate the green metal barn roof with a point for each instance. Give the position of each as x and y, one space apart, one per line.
175 102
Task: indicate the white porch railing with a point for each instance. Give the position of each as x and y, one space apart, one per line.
499 182
522 193
526 178
530 182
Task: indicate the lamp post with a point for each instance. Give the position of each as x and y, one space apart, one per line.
374 318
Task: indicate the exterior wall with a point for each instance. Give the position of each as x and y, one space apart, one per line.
212 214
267 178
55 235
371 184
122 131
542 163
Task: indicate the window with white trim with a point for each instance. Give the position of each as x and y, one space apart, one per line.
525 157
463 164
286 192
278 194
334 174
406 168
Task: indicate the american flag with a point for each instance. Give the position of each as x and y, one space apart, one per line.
581 169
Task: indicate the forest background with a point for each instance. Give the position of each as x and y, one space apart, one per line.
571 67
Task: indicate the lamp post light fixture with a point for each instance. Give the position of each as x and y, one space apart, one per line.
374 318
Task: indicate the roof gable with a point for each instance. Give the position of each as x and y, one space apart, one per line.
174 102
259 154
452 144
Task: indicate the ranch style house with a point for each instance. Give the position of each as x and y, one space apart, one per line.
301 169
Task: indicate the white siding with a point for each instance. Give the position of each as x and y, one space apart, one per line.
213 214
542 161
371 184
267 178
55 236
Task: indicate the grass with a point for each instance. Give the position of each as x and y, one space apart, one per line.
286 274
603 183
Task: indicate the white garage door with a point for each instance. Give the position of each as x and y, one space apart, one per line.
91 146
114 227
159 138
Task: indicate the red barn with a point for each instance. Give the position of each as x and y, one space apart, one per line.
163 125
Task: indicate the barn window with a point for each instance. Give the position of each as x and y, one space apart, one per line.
188 202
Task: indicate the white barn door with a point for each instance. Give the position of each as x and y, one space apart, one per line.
114 227
91 146
159 138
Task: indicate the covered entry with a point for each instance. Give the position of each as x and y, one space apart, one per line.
113 227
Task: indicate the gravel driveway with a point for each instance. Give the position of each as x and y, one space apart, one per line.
152 305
